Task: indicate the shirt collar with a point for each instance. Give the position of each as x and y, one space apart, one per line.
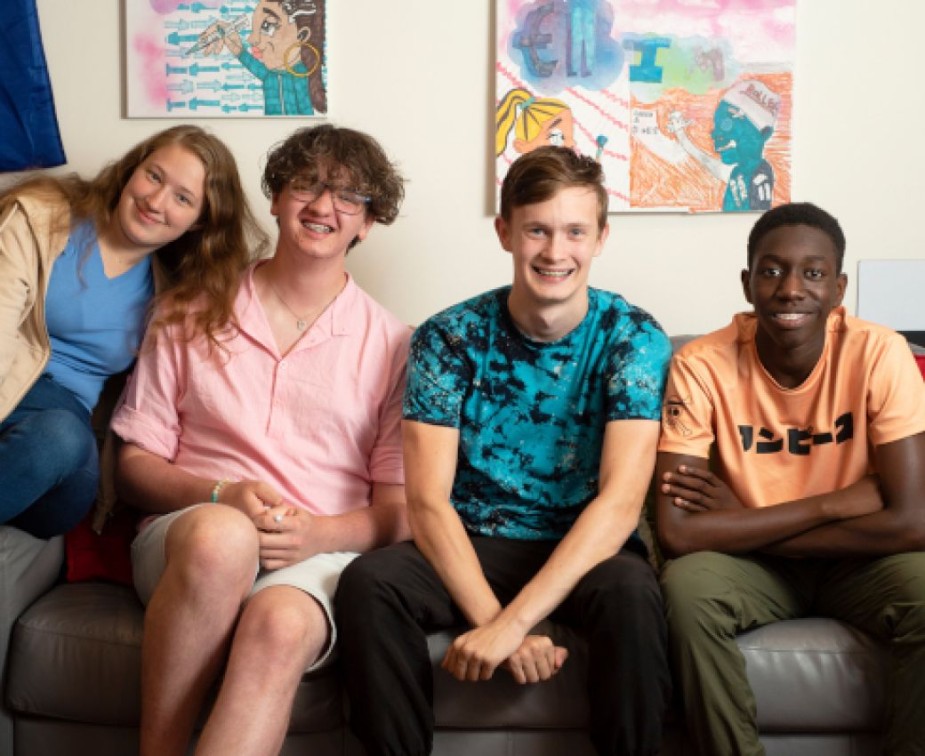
334 321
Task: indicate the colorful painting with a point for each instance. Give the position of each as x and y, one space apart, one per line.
217 59
686 103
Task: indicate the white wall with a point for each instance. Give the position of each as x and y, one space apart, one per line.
418 75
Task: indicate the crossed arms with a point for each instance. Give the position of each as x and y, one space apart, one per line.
878 515
501 635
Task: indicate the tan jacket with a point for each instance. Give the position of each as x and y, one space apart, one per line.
32 235
29 245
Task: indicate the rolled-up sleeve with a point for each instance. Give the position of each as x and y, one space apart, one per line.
385 461
147 415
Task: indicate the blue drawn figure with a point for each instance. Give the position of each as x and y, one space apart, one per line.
284 51
582 26
743 122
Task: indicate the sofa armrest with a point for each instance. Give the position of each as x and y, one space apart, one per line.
29 566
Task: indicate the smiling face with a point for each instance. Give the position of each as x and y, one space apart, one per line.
552 244
273 36
793 283
315 227
162 200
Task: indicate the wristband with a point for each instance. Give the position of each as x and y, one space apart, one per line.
217 489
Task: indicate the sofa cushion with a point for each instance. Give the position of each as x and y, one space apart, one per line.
28 568
815 675
76 655
810 675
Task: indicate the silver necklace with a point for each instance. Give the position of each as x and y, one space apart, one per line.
301 321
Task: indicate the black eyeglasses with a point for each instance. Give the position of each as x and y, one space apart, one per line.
307 189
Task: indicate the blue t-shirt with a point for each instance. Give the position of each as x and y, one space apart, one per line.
531 415
95 323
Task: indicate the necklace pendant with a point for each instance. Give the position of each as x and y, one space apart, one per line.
300 324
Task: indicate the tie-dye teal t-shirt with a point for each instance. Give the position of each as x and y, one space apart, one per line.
531 415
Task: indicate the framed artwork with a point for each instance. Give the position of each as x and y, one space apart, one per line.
686 103
216 59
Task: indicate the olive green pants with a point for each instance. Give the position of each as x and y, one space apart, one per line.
712 597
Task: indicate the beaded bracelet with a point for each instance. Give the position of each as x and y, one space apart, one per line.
217 489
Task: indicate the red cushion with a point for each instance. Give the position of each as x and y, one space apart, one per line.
101 556
920 359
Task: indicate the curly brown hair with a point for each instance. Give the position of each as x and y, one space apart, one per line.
347 155
205 263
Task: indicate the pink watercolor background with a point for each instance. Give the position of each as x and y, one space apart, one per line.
151 54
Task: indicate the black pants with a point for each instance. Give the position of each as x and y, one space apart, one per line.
388 599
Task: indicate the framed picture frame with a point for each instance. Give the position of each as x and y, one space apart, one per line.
686 105
215 59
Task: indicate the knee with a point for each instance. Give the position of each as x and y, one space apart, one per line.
74 443
283 630
620 597
905 612
908 623
214 546
366 593
624 582
366 578
694 592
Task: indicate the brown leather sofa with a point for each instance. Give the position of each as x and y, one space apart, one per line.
70 673
70 667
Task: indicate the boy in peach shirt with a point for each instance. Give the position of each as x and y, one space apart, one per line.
815 424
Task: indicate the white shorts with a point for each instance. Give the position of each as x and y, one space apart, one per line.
317 576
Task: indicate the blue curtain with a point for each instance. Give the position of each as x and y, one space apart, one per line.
29 136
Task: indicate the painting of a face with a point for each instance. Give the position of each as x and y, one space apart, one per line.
274 38
735 138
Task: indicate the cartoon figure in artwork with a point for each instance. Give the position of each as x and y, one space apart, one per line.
284 50
535 121
743 122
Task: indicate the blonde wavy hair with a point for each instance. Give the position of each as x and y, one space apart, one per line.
521 112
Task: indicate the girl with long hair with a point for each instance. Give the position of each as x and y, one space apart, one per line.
80 263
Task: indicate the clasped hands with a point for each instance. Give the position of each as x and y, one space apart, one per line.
288 535
286 531
476 654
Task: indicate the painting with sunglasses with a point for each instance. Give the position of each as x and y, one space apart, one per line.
217 59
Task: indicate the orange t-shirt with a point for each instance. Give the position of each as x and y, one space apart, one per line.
774 444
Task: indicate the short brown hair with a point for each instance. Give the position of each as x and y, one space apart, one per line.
542 173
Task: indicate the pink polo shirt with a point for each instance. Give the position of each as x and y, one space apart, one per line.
321 424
